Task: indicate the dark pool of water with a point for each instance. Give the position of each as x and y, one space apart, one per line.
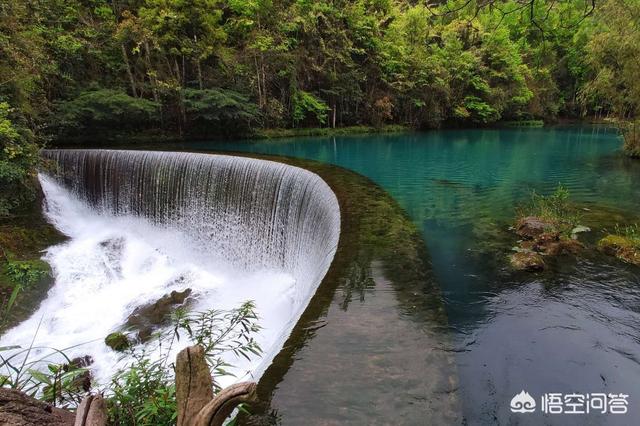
574 329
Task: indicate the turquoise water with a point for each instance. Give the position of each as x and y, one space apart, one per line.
574 329
450 181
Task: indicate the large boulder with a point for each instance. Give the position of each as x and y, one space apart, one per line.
18 409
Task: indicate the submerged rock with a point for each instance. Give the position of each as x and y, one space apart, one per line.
527 261
145 319
117 341
621 247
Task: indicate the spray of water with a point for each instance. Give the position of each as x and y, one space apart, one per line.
142 224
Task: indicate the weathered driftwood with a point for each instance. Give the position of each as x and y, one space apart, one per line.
92 412
194 392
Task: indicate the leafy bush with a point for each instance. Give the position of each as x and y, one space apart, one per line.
219 111
25 272
97 110
306 105
18 159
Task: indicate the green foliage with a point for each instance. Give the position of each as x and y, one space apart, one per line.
554 208
25 272
216 111
306 105
18 158
143 392
630 232
101 109
612 50
37 372
197 67
21 274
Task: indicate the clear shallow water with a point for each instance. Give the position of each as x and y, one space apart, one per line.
576 329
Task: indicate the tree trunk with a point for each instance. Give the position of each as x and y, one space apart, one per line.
199 67
255 60
333 120
129 72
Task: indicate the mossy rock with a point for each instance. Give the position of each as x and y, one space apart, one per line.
527 261
117 341
621 247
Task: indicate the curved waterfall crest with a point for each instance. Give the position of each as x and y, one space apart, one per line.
254 213
250 214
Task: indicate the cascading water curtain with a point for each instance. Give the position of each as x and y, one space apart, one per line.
252 214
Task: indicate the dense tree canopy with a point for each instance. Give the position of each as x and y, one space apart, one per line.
196 68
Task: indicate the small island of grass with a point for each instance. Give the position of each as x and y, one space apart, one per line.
547 226
624 244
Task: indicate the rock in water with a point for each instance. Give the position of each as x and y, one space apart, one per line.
147 318
18 409
117 341
621 247
531 226
527 261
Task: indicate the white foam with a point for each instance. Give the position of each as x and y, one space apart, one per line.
112 264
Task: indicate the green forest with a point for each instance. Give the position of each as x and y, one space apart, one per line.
77 70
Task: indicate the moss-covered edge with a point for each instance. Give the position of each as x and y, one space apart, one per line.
23 239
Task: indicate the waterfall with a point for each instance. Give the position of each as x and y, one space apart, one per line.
227 227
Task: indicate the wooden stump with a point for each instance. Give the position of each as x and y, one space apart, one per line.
194 391
92 412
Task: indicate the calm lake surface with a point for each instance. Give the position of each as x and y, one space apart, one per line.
575 328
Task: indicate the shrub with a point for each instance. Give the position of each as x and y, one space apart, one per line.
306 105
103 109
219 111
25 272
18 160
